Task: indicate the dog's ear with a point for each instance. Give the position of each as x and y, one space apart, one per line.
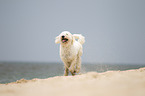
57 40
73 39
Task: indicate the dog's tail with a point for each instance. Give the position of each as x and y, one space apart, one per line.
81 39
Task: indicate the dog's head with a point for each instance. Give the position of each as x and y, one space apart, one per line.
65 38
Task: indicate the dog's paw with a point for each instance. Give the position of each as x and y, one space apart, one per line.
71 69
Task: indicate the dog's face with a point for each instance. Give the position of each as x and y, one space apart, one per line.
64 38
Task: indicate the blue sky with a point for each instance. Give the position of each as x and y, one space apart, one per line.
114 29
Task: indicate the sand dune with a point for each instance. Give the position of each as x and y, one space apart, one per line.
111 83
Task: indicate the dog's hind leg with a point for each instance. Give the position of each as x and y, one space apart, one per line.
78 64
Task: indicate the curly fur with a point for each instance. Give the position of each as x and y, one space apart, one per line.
71 51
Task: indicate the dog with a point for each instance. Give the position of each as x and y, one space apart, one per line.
71 51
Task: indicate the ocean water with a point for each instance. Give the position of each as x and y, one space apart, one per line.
11 72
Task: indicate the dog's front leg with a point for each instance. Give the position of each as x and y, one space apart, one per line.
72 67
66 71
66 66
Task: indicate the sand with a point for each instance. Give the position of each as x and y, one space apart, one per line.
110 83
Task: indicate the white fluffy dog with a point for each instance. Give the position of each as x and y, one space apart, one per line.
70 51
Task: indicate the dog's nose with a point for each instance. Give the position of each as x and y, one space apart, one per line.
63 36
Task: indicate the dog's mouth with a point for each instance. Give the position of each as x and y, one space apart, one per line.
64 40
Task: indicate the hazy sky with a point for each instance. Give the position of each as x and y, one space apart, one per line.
114 29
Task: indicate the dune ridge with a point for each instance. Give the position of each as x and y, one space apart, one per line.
110 83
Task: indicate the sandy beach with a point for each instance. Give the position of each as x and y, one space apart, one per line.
110 83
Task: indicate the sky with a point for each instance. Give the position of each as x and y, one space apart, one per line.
114 29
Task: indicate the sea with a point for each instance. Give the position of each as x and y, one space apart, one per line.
13 71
